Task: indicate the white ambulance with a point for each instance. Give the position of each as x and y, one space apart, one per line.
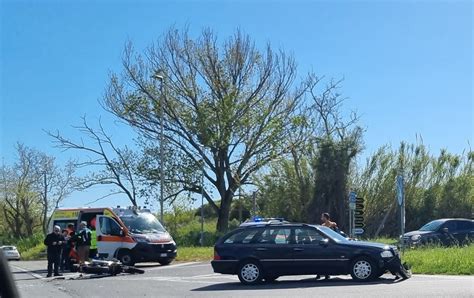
130 234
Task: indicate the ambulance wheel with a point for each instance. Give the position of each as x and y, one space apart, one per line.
125 257
164 262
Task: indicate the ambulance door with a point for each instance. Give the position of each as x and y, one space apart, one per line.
109 236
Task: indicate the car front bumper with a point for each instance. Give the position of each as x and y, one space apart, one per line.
396 267
152 252
12 256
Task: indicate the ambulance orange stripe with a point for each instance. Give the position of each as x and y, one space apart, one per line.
108 238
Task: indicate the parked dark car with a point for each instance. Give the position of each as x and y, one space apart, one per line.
267 251
446 231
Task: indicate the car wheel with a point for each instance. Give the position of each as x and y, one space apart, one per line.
250 272
164 262
125 257
363 269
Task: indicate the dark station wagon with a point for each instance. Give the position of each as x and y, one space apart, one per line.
267 251
445 231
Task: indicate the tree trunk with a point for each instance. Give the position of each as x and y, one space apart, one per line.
224 211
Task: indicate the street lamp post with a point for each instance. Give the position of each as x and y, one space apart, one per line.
201 239
161 78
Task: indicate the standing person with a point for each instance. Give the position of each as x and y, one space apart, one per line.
326 219
65 261
54 242
70 229
93 248
83 242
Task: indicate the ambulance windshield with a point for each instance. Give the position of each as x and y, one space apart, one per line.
142 223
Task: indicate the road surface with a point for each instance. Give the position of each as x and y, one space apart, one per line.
196 279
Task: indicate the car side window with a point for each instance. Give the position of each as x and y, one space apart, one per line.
464 225
307 236
104 226
275 236
114 227
108 226
243 237
451 225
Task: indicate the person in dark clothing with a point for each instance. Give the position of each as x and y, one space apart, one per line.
65 261
54 242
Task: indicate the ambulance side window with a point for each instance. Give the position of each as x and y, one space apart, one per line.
108 226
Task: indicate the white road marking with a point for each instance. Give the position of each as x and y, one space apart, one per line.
198 279
188 264
28 271
199 265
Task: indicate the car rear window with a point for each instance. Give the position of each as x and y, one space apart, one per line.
242 237
8 248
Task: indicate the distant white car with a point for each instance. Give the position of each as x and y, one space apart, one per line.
10 252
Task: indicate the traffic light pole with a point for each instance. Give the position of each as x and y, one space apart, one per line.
352 206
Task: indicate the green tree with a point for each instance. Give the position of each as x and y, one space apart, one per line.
230 107
435 187
314 177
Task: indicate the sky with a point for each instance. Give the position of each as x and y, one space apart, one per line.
407 65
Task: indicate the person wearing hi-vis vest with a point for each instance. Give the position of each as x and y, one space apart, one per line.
93 248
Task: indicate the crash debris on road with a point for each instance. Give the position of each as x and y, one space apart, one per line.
99 268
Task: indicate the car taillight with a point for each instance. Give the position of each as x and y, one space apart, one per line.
217 257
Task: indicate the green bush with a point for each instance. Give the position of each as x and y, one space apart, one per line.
24 244
34 253
185 227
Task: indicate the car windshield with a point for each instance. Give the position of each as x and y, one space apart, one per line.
8 248
332 234
432 225
143 223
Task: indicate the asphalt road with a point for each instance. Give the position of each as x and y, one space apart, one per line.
197 279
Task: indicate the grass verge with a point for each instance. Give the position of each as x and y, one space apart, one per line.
441 260
37 252
193 253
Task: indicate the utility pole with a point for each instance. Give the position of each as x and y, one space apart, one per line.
240 205
161 78
401 202
254 196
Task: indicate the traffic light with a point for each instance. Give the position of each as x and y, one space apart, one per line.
359 213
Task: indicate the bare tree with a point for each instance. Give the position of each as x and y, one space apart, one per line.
30 188
113 165
53 185
231 108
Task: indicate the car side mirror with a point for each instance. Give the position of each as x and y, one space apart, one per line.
324 242
445 230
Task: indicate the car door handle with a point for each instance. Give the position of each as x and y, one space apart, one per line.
298 249
261 248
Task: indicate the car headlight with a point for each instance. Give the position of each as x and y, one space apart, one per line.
386 254
415 237
141 239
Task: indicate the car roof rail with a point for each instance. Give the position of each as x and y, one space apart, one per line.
264 222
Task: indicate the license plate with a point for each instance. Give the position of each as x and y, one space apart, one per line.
163 255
